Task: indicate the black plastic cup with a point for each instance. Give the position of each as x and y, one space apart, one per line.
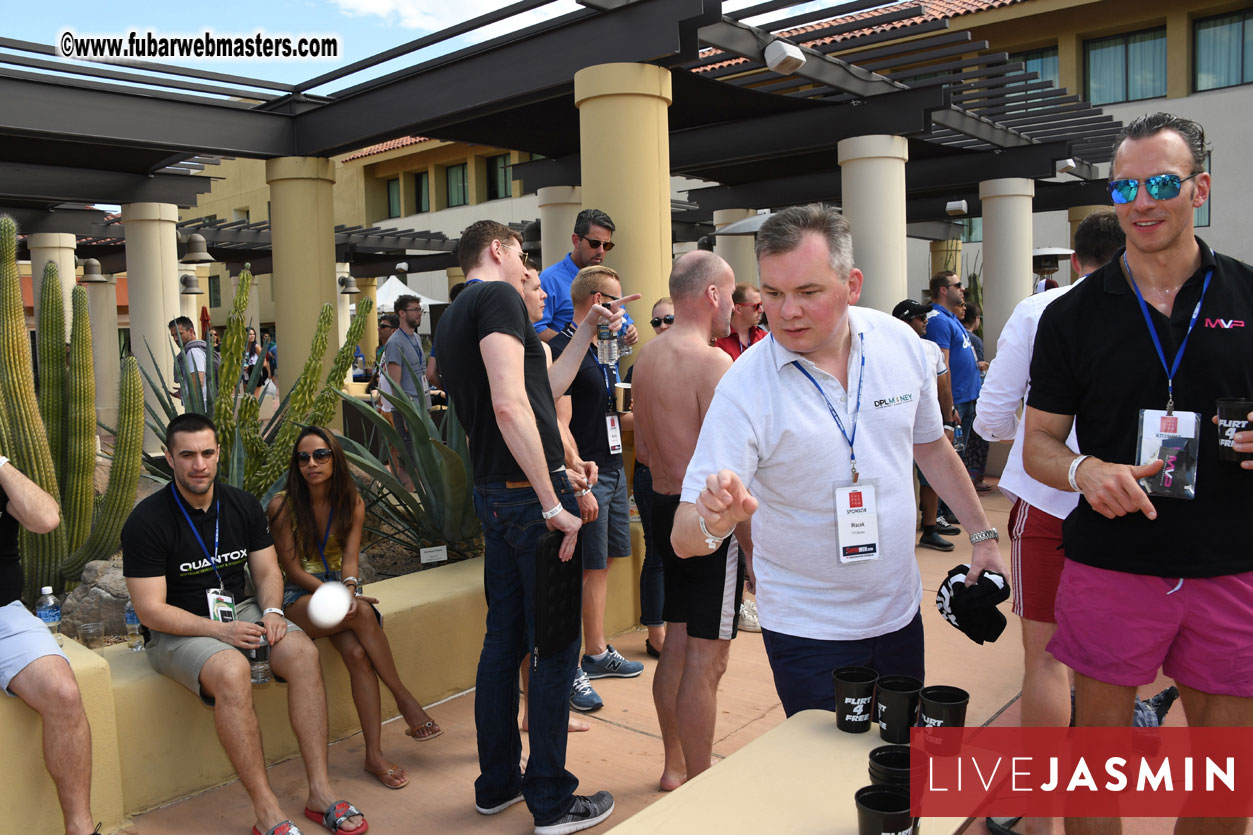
1233 417
942 707
883 810
889 766
896 706
854 697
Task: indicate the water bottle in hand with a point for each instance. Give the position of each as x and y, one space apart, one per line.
959 442
606 345
134 632
48 610
259 660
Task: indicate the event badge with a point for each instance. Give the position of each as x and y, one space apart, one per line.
614 428
221 605
857 519
1175 439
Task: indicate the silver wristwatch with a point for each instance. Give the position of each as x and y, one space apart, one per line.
984 536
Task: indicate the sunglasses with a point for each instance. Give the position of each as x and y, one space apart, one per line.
317 455
756 306
1159 187
595 244
656 320
605 295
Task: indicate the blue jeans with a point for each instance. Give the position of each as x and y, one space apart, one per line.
652 578
802 667
512 525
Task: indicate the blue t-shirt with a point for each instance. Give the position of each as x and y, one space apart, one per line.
558 307
945 330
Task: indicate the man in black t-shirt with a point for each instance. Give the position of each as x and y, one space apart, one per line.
32 666
494 368
1155 580
184 550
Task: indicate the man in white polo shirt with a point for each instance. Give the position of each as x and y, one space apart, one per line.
813 434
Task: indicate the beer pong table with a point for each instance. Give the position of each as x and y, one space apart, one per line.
798 777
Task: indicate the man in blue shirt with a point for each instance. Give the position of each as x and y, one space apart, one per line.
592 239
945 329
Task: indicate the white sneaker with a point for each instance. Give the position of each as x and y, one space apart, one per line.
748 617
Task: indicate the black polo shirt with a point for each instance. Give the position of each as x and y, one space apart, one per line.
158 542
589 404
1094 359
484 308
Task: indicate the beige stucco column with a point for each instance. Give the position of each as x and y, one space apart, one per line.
189 305
624 145
1007 239
558 207
105 357
343 305
302 231
57 247
456 276
872 171
370 336
946 255
151 269
736 249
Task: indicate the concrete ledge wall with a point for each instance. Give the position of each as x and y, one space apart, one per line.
154 742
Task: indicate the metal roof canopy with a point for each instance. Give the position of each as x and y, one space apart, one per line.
74 133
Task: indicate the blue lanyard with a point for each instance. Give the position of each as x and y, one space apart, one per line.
605 370
1157 342
861 378
326 538
217 526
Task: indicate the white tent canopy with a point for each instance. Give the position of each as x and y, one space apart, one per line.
394 288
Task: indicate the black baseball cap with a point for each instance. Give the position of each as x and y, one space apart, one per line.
910 309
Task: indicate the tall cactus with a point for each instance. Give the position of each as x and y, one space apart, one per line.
51 347
28 442
327 401
79 467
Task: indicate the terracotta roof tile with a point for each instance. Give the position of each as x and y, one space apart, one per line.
389 145
931 10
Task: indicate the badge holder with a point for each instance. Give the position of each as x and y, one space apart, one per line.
221 605
1173 438
613 427
857 521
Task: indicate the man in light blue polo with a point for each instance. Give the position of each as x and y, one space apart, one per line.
591 241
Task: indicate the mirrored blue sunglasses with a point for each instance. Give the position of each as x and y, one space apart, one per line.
1159 187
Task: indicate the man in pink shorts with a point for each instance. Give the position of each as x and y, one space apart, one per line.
1158 571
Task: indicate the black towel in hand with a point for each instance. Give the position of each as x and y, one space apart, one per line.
972 609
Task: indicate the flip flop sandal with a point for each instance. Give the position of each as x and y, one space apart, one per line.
1002 826
280 828
335 815
425 726
393 778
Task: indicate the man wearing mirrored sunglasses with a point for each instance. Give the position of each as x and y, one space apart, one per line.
746 329
591 241
1147 344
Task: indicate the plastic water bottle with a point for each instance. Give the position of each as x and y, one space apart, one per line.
134 634
606 345
48 609
259 660
959 442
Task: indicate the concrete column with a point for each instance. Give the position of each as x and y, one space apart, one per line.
736 249
105 356
558 207
151 267
945 255
370 337
302 225
57 247
1074 216
456 276
1007 277
873 173
624 144
189 305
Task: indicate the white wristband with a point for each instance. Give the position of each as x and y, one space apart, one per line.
3 460
1074 468
712 540
272 611
549 514
578 494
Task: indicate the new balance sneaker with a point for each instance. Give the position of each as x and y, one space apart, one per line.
582 696
613 665
499 807
943 528
935 542
748 616
584 813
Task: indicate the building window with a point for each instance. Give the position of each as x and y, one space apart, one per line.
458 194
241 214
215 291
972 230
1224 51
499 177
1126 67
393 198
1200 215
422 191
1042 62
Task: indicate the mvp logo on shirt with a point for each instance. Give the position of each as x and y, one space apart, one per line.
893 401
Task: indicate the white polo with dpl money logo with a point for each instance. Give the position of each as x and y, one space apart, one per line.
769 424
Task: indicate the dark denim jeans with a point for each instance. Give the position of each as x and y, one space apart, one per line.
652 578
512 524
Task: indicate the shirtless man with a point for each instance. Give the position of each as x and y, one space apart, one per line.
673 384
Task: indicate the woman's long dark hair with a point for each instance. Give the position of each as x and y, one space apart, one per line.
343 496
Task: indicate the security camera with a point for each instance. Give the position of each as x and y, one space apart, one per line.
955 208
784 58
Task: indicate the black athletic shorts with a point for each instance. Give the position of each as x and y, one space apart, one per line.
702 592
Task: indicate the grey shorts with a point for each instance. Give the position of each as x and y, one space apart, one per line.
23 638
182 657
610 535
